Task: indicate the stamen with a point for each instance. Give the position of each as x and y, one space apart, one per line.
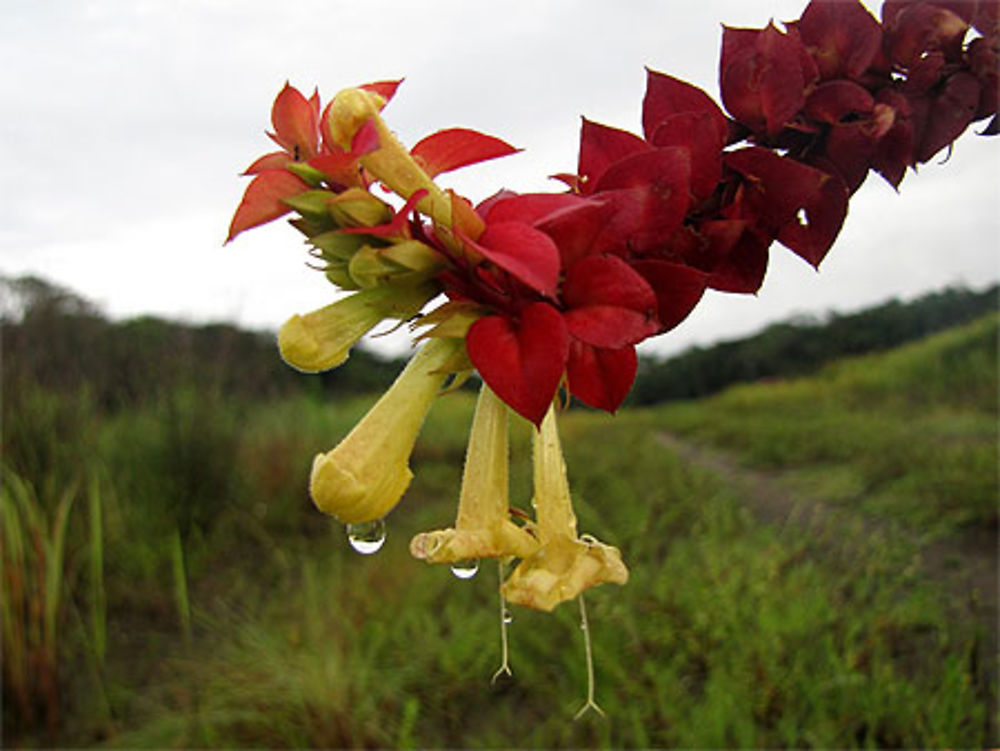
585 627
504 620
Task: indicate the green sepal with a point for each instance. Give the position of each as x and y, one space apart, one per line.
313 204
307 172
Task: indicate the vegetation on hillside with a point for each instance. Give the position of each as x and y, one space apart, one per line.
802 344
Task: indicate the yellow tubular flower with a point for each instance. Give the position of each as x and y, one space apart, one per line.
483 528
391 163
323 339
564 565
366 474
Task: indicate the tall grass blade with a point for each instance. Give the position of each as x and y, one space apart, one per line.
97 599
180 584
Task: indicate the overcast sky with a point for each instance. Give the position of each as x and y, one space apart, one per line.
126 123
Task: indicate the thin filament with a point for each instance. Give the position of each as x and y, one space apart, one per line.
504 653
585 627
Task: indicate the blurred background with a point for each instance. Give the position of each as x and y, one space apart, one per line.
803 483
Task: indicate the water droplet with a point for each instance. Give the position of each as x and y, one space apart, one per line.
588 540
507 616
367 537
465 569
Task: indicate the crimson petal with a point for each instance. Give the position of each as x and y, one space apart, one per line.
523 251
610 305
678 288
522 361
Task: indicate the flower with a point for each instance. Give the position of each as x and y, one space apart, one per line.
322 339
565 564
483 528
366 474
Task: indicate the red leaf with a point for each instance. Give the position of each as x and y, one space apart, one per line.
295 123
274 160
600 377
695 132
602 146
678 289
762 77
575 230
651 193
667 96
949 112
385 89
263 200
528 208
450 149
743 268
842 37
522 361
609 304
824 215
832 101
524 252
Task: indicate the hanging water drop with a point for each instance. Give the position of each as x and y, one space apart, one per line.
507 616
465 569
366 537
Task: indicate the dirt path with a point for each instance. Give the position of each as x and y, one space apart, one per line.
965 564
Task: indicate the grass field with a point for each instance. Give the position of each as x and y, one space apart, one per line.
812 565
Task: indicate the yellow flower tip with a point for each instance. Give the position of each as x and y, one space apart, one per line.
351 109
365 475
561 570
322 339
502 540
301 348
337 490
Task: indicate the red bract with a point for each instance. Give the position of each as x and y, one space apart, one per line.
264 200
600 377
842 38
521 358
450 149
763 77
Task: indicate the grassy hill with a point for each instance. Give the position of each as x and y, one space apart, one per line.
797 552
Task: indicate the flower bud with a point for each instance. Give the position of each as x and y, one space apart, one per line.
407 262
366 474
322 339
359 208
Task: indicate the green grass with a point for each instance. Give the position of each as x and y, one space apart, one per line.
233 614
911 435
